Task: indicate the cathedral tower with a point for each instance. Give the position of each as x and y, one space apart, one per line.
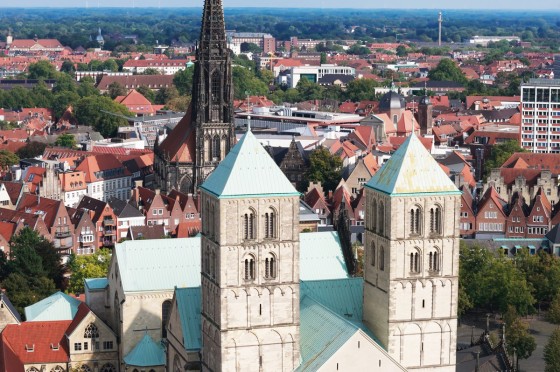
205 135
425 115
411 263
250 264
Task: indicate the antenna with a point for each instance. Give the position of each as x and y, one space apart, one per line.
440 20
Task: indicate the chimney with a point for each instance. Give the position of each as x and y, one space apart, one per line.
138 183
157 191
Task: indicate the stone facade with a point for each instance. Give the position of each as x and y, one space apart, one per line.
411 277
250 283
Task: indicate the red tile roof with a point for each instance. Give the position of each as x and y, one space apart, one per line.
17 339
180 144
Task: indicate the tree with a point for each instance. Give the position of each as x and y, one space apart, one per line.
87 266
358 49
164 95
250 48
65 83
28 243
183 80
101 113
24 291
151 71
309 90
499 154
116 89
447 70
62 101
518 338
361 89
7 125
42 70
87 87
31 150
402 51
245 82
147 92
66 140
553 315
8 158
67 67
180 103
552 352
323 58
324 168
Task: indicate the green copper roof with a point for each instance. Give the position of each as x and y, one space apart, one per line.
321 256
322 334
146 353
188 304
411 170
96 283
248 170
58 306
159 264
343 296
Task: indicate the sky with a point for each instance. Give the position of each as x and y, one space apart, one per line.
361 4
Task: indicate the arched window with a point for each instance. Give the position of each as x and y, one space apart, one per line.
415 220
249 225
216 87
249 268
32 369
91 331
373 253
108 368
57 369
85 368
211 222
433 259
270 267
414 262
381 218
435 220
216 152
269 225
207 260
165 312
382 258
213 264
373 215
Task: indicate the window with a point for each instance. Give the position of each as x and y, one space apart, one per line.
85 345
381 218
107 345
415 220
249 225
154 212
433 259
216 148
249 268
414 262
108 368
373 253
382 259
435 220
374 215
91 331
269 225
165 311
77 346
270 267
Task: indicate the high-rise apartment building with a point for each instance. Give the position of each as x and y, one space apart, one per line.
540 112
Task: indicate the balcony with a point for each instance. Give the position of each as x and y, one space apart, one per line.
107 232
108 243
85 238
108 222
62 234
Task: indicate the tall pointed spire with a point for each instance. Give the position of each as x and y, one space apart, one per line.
206 134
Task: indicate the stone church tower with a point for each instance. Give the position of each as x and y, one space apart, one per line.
205 135
411 263
250 264
425 115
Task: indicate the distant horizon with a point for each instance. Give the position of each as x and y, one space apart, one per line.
474 5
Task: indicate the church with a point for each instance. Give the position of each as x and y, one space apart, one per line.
193 149
251 293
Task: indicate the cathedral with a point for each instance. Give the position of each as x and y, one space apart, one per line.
193 149
251 293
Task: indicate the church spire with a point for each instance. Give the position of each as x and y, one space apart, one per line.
213 34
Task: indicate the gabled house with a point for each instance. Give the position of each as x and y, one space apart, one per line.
84 231
467 219
294 164
516 224
365 169
158 209
104 220
315 198
106 177
191 224
56 218
538 219
14 190
127 215
491 215
63 332
73 185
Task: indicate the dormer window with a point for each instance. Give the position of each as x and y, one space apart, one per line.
30 348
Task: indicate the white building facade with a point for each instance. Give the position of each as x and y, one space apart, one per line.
540 113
